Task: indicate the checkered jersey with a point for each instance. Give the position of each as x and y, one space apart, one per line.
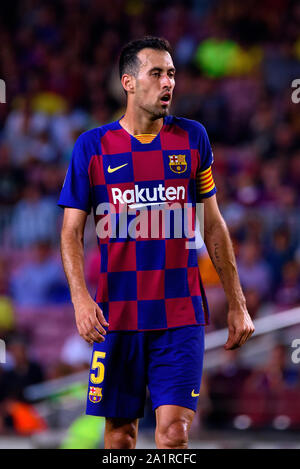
150 280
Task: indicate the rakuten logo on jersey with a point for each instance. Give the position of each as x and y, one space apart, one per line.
147 195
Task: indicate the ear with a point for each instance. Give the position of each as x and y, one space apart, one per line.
128 83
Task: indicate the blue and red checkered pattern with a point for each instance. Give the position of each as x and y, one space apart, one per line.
152 280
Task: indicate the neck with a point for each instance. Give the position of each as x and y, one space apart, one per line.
139 122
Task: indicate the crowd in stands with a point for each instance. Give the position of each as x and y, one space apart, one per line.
235 64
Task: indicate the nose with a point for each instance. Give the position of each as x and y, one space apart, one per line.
166 82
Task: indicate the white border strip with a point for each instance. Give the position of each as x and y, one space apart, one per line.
264 325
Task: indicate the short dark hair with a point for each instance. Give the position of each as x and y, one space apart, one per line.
129 62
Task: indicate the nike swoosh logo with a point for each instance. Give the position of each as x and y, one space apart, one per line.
112 170
193 394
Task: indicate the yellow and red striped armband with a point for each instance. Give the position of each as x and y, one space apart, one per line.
205 182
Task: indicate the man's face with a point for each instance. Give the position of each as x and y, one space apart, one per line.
155 82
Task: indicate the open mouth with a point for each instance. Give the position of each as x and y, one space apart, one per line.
165 99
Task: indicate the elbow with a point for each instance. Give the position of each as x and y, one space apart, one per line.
215 226
70 234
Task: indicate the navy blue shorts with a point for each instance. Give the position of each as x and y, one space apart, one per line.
169 362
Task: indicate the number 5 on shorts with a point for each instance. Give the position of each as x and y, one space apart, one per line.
97 365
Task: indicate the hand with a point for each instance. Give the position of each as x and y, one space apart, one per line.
90 320
240 328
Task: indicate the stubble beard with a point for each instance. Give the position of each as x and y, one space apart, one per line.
156 113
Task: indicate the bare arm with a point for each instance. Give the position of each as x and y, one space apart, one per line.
89 317
219 247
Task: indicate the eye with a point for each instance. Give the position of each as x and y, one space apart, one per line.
156 74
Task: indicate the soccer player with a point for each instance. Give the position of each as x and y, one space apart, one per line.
147 321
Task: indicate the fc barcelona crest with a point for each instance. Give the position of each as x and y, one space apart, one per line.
95 394
177 163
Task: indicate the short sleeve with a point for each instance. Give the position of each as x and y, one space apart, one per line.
76 190
205 182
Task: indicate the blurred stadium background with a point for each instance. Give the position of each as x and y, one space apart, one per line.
236 62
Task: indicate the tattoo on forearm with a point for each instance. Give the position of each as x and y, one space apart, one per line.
216 245
216 260
221 252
